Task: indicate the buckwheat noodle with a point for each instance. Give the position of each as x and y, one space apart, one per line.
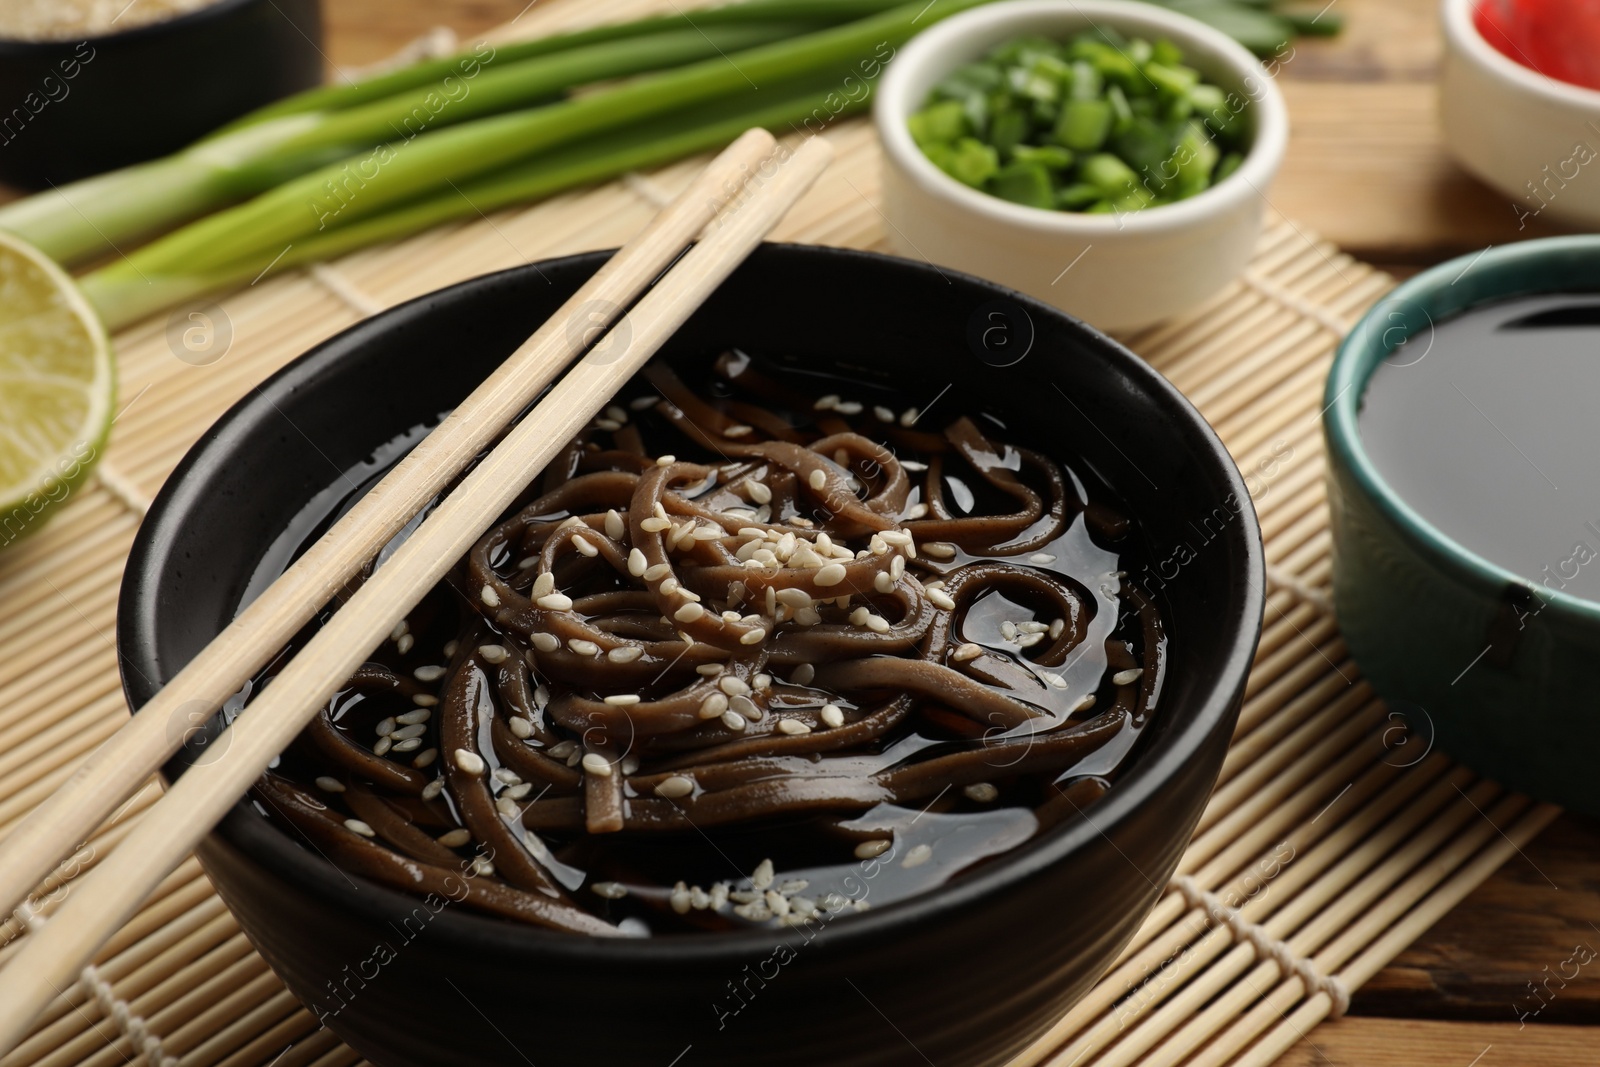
828 632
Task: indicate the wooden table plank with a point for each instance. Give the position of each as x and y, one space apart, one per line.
1414 1043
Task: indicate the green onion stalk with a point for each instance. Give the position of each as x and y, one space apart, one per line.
122 296
643 120
94 217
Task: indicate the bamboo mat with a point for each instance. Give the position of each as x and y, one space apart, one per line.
1333 839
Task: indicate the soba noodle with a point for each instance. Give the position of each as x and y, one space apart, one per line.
745 656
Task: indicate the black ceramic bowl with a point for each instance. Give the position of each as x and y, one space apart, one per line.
968 974
78 107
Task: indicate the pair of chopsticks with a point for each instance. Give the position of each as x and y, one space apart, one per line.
731 206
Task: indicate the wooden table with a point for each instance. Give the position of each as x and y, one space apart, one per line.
1367 170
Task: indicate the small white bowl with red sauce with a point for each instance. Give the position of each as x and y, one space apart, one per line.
1530 135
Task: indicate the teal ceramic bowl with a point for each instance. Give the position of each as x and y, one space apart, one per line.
1499 672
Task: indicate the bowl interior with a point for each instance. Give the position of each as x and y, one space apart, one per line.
1462 35
333 419
1405 319
933 55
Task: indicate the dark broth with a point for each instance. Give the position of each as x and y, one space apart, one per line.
1483 428
828 830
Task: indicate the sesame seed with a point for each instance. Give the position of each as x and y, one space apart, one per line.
455 838
1127 677
469 762
675 786
484 868
545 583
826 403
597 765
607 424
429 673
758 491
713 706
399 631
506 776
616 413
1008 630
520 727
709 670
489 596
493 653
817 478
739 430
666 461
1031 627
1028 640
745 706
690 612
777 902
763 875
733 721
882 582
918 856
669 587
982 792
803 674
562 749
384 728
754 912
699 899
636 563
940 599
909 417
858 617
807 616
1057 628
545 642
330 785
405 644
895 537
897 567
1041 558
872 849
657 572
609 890
655 524
507 807
408 733
356 826
433 789
877 624
383 746
754 637
582 647
831 574
555 602
680 899
794 598
411 718
968 651
583 546
623 700
624 654
1054 680
425 758
639 403
1085 704
883 414
793 727
940 550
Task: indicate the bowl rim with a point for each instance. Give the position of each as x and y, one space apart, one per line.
1462 36
1354 363
18 46
266 844
1260 164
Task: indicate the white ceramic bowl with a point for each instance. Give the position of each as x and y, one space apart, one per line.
1535 139
1117 272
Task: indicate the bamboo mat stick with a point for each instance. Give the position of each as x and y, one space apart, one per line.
155 733
109 895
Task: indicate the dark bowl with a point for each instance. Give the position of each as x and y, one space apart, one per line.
78 107
967 974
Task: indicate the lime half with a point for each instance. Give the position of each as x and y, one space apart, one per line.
57 387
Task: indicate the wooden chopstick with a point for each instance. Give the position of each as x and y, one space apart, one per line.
107 896
120 766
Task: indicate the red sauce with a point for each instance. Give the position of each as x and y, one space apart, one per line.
1558 38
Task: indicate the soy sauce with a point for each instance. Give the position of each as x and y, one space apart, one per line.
1487 426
